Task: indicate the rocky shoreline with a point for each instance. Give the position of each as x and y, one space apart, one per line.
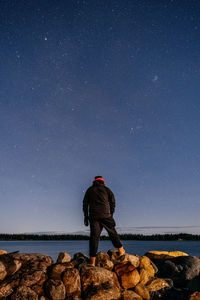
155 275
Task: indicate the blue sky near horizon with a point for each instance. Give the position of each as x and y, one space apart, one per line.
105 88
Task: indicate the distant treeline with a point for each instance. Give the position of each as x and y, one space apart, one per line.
127 237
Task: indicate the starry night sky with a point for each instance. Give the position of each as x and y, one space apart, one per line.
107 87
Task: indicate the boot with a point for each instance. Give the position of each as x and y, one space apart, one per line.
92 260
121 251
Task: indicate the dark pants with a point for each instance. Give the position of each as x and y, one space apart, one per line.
96 226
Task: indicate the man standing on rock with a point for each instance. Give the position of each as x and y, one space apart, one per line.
101 203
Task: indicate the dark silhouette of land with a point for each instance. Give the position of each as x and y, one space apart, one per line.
126 237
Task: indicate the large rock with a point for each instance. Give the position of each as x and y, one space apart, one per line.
31 278
80 258
105 291
180 269
116 259
194 284
144 276
141 290
72 282
8 285
162 254
146 263
39 290
39 286
15 261
30 257
133 259
3 272
103 261
8 265
130 295
24 293
195 296
123 268
130 279
55 289
5 289
3 252
95 276
56 270
171 294
157 284
150 270
63 257
113 253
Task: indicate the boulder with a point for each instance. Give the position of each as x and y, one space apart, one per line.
55 289
180 269
116 259
195 296
8 265
144 262
63 257
130 295
123 268
3 272
133 259
30 257
5 289
3 252
113 253
103 261
31 278
39 286
39 290
72 282
24 293
104 291
130 279
56 270
144 276
167 253
147 265
8 285
170 294
141 290
80 257
13 262
157 284
95 276
193 285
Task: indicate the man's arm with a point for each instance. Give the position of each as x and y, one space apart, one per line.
85 208
111 199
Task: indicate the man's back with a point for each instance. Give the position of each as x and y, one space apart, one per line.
100 200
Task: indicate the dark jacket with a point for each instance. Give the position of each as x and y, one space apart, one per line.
100 200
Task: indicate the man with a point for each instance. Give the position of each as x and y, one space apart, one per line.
101 203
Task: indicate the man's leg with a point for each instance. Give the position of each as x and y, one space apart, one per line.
109 225
95 232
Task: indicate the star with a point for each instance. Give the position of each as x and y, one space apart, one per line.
155 78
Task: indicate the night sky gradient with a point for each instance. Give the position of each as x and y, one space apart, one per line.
103 87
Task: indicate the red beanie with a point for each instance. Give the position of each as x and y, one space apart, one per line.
99 178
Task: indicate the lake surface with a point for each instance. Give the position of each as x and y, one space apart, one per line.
53 248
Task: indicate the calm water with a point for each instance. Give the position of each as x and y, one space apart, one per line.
53 248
